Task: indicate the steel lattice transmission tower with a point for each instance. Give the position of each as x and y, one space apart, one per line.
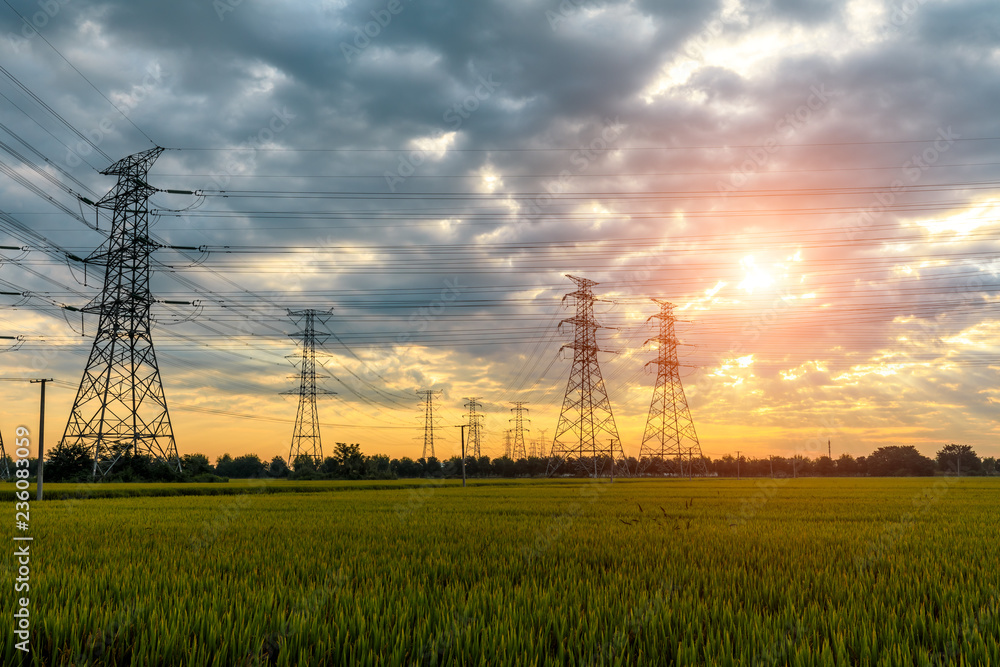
586 431
670 434
473 445
429 423
306 439
120 405
519 449
4 464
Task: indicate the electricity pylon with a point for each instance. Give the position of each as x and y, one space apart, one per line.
120 405
586 433
5 469
474 443
429 423
519 449
670 434
306 439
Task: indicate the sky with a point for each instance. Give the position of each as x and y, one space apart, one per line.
814 185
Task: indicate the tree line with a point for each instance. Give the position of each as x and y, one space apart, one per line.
75 463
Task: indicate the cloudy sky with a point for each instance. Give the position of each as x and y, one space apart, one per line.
813 184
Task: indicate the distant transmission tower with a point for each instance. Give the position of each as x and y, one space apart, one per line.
474 443
4 464
120 405
586 432
519 449
429 424
670 434
506 444
306 438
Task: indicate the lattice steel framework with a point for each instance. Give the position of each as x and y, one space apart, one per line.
4 464
429 423
120 405
670 434
473 445
306 438
586 433
519 450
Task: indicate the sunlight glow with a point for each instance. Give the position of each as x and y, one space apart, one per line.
961 224
755 277
436 145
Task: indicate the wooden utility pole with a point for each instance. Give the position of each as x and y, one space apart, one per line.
462 426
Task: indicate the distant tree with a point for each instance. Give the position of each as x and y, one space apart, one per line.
825 467
503 466
726 466
68 463
846 465
521 468
862 464
242 467
407 467
278 467
223 464
432 467
131 467
303 466
452 467
379 467
959 459
350 460
899 461
990 465
196 464
485 466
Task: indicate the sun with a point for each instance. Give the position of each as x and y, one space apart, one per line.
755 277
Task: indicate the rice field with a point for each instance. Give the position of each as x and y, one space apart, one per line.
703 572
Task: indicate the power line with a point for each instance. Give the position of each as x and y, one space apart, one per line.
89 82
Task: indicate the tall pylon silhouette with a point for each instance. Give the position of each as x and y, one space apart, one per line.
586 433
429 423
4 463
120 406
519 450
670 435
306 439
473 446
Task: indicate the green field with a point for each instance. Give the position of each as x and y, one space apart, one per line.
706 572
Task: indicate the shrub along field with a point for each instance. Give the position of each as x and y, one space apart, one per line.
721 572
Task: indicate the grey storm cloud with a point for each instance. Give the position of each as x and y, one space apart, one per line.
361 91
